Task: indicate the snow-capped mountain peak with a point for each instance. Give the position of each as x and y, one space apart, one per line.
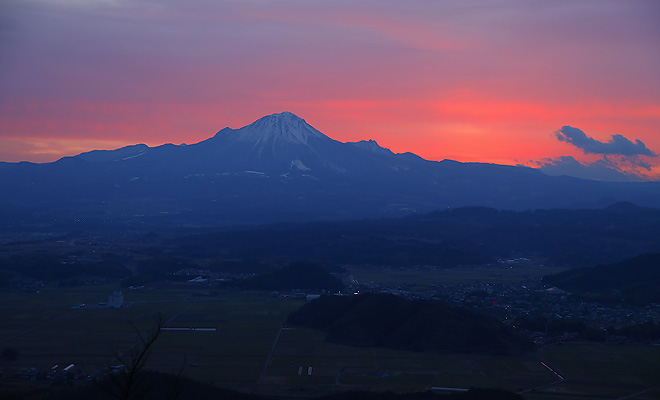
284 126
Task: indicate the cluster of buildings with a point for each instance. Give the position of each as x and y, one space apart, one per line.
55 375
115 300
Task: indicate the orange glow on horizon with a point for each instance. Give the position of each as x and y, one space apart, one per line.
489 83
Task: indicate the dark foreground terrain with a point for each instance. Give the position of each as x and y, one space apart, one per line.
240 340
157 385
450 299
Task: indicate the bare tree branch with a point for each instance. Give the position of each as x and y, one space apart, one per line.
127 380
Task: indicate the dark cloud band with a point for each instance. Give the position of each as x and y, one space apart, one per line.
618 145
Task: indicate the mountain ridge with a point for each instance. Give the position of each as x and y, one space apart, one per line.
279 168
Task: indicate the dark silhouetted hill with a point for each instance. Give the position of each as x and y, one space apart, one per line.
462 236
384 320
635 280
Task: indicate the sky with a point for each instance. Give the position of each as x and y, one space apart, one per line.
571 87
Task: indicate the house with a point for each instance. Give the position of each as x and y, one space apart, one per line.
199 279
116 299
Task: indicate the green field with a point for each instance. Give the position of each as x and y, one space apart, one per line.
47 331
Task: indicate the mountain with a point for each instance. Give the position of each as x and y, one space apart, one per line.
278 168
635 281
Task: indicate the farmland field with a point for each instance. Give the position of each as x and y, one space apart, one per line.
253 350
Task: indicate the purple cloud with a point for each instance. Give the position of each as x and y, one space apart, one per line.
618 145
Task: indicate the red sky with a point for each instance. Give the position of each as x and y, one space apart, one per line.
482 81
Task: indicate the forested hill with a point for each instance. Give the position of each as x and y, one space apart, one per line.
463 236
635 280
384 320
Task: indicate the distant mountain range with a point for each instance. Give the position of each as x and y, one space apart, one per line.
462 236
278 168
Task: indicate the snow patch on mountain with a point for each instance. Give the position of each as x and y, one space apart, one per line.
282 127
129 157
299 165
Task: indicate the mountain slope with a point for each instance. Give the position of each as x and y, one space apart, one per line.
276 169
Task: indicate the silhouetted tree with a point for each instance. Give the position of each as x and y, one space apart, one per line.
127 380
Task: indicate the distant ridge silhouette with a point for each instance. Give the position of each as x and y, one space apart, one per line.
279 168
